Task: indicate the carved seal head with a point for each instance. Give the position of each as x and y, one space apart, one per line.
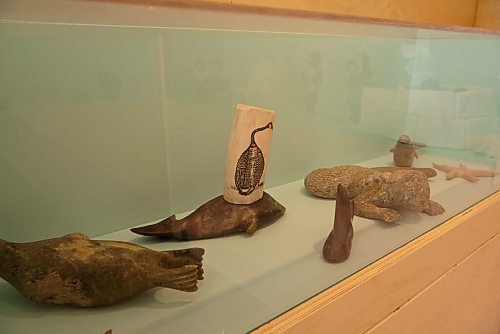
409 189
404 139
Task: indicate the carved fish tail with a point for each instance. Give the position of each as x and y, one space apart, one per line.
164 228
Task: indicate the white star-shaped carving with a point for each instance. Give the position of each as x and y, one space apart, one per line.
462 171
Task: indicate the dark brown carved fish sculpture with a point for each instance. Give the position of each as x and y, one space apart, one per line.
77 271
216 218
337 246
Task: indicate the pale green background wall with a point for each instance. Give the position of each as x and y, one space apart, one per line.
103 128
80 117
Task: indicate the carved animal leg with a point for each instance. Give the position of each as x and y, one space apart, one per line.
369 210
182 257
434 208
183 278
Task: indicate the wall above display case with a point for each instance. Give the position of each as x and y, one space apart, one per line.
110 121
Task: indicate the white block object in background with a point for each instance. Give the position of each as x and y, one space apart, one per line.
442 118
471 102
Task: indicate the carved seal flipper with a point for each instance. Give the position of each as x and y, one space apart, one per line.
337 246
216 218
75 270
250 165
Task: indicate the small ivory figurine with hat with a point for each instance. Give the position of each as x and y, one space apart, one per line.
405 151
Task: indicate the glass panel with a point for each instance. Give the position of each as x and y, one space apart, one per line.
80 118
105 127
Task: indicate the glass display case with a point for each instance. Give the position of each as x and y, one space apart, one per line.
110 120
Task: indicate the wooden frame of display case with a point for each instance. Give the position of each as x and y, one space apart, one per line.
478 16
446 281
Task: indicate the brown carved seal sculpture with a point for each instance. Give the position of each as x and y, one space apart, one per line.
216 218
337 246
77 271
376 195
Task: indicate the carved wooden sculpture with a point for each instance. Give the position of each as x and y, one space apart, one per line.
337 246
244 206
217 218
77 271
